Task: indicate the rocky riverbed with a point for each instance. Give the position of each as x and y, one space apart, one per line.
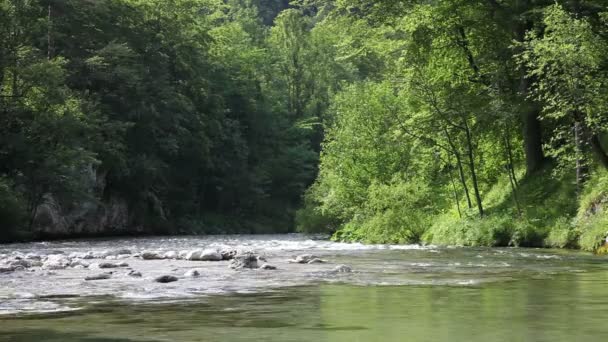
59 276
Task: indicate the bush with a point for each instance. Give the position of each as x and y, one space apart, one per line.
593 230
471 231
562 234
397 212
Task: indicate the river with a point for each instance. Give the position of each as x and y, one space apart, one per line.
394 293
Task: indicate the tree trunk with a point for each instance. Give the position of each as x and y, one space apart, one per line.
454 187
472 168
529 112
460 168
581 163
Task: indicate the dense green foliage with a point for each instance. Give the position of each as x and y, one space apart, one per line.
446 122
480 124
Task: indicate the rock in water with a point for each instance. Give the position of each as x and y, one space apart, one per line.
6 269
303 259
20 262
134 274
342 269
194 255
147 255
268 267
107 265
248 260
165 279
56 262
316 261
170 255
101 276
76 263
228 254
210 255
192 274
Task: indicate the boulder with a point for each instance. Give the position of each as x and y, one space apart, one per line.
182 254
170 255
20 263
56 262
242 261
228 254
148 255
107 265
165 279
316 261
194 255
6 269
210 255
101 276
80 263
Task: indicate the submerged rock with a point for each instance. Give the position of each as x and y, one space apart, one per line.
342 269
101 276
316 261
165 279
112 265
268 267
192 274
303 259
134 274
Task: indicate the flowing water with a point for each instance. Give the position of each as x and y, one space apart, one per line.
395 293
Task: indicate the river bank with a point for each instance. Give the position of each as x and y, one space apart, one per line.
423 292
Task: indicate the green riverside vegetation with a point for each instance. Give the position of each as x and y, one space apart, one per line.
476 123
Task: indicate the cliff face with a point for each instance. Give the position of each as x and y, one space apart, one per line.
97 214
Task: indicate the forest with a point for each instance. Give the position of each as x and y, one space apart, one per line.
446 122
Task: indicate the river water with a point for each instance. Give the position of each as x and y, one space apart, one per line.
395 293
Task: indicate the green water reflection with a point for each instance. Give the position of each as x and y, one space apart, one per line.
564 307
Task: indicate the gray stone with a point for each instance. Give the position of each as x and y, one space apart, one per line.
342 269
170 255
165 279
192 274
228 254
148 255
316 261
101 276
134 274
248 260
268 267
194 255
210 255
303 259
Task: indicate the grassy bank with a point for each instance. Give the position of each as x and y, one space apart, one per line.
544 211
